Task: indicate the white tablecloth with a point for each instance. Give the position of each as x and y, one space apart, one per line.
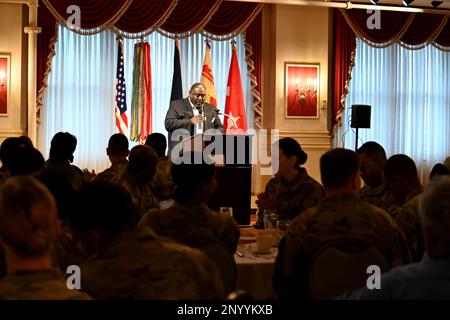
255 271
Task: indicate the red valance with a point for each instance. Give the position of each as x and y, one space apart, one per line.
226 20
410 29
145 15
93 14
190 15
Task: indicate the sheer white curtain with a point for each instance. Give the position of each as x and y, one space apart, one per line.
409 91
81 86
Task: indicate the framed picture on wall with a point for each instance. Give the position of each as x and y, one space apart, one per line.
302 90
5 84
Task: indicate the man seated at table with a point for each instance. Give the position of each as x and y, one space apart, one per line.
342 214
428 279
190 215
126 263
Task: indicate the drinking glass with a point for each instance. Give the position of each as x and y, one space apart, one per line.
226 210
270 219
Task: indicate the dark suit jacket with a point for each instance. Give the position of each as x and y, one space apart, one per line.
179 116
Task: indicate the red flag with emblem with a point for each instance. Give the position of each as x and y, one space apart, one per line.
234 120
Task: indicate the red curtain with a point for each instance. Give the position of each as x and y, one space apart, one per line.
344 45
409 28
93 13
422 28
143 15
190 15
253 38
231 17
444 37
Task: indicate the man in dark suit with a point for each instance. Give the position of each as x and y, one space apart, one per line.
192 114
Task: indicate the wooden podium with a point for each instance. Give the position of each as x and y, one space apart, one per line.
233 170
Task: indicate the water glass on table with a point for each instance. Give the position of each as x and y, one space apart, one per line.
226 210
270 219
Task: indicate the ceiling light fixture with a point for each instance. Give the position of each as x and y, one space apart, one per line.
436 4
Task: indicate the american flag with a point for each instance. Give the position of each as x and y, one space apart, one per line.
121 94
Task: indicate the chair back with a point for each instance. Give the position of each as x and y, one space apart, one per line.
341 265
219 254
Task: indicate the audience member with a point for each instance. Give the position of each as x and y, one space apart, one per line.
373 159
26 161
28 223
137 176
292 190
65 249
162 182
403 181
190 215
126 263
341 215
438 170
430 278
447 163
9 145
62 147
117 152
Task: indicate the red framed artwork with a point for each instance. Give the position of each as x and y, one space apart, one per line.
5 68
302 90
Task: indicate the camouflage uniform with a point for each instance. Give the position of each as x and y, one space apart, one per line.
112 172
162 183
66 250
340 216
71 172
141 265
45 284
380 197
295 197
408 220
180 222
141 195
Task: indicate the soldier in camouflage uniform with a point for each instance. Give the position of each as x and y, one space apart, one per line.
162 182
135 264
403 181
341 215
28 223
137 177
375 191
190 216
292 190
117 152
180 222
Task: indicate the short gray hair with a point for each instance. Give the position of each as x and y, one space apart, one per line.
435 208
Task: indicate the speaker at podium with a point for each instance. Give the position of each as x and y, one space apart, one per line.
232 155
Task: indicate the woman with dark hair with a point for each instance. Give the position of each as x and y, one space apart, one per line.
62 147
292 190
